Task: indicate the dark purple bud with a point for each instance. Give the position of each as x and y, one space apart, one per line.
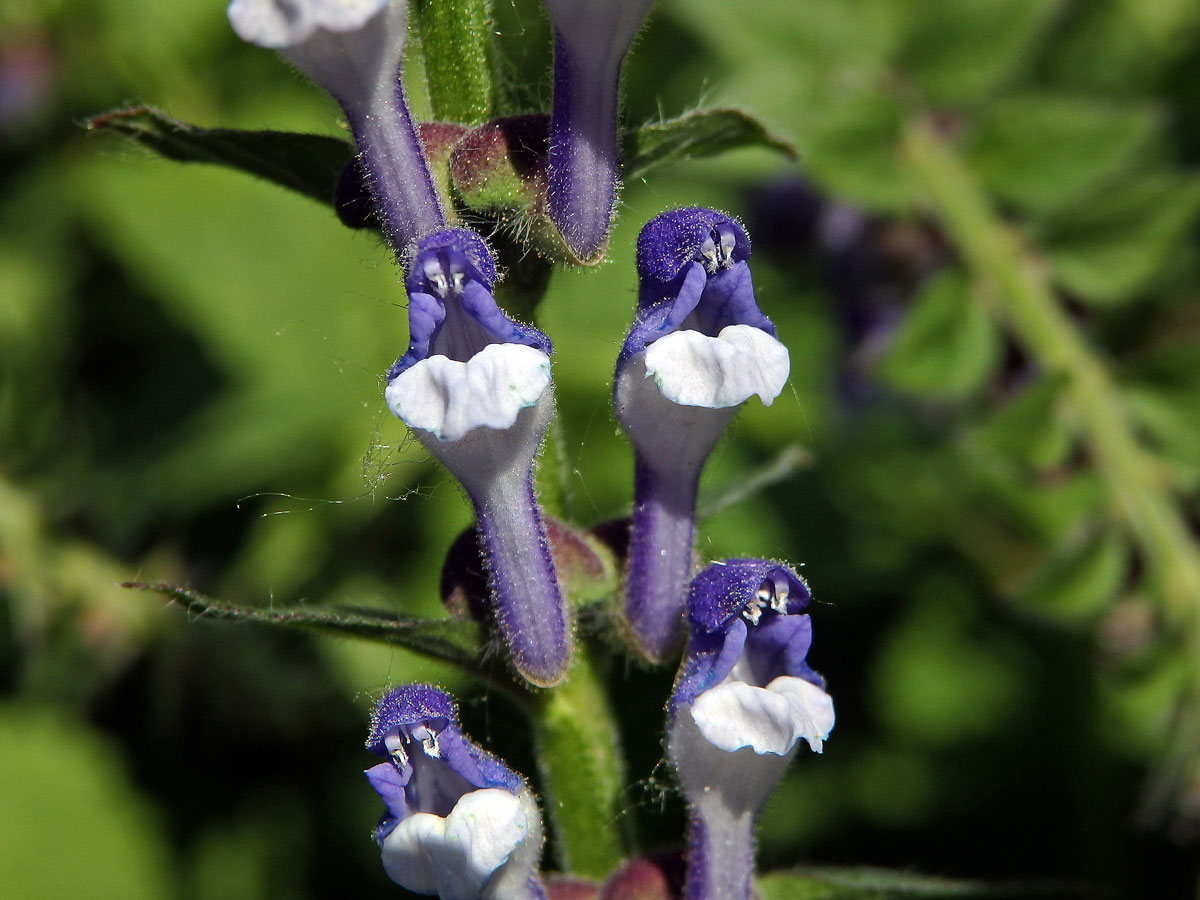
590 42
645 878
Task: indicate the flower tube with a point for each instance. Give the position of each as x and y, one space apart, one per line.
699 347
474 386
354 49
458 823
591 38
743 701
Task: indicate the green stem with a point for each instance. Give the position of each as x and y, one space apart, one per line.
454 37
1022 295
1139 494
582 773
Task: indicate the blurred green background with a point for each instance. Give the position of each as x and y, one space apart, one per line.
191 359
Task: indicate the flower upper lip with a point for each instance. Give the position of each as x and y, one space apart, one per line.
693 275
746 622
451 310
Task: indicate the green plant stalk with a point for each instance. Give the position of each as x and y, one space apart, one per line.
454 38
1022 296
583 776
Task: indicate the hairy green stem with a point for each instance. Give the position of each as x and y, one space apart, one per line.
454 38
582 773
1023 297
1133 478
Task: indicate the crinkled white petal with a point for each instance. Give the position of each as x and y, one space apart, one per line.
769 720
455 857
693 369
449 398
286 23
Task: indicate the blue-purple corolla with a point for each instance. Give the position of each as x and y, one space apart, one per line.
699 347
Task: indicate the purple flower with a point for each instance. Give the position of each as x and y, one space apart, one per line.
354 49
591 38
474 386
458 823
699 347
743 701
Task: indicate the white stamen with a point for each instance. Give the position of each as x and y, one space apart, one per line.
708 256
779 598
728 242
428 739
395 748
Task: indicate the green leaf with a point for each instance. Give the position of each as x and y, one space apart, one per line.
454 38
47 807
1169 418
1107 249
457 641
850 148
960 53
947 345
938 681
1030 427
1078 582
705 132
819 883
306 163
1038 151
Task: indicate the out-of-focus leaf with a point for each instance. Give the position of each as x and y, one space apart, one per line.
850 148
959 53
1138 707
705 132
1107 249
1078 582
454 39
1167 23
833 100
947 344
300 311
307 163
819 883
1100 48
1169 417
53 813
936 683
457 641
1038 151
1029 427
